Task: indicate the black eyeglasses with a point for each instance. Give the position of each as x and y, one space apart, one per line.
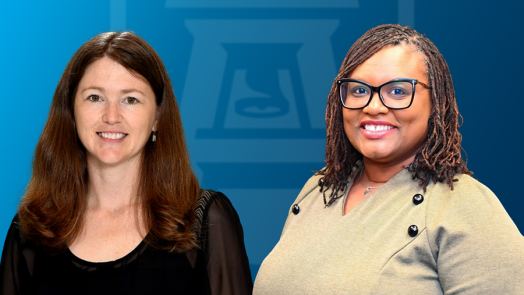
396 94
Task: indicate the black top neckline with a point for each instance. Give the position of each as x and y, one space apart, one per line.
129 257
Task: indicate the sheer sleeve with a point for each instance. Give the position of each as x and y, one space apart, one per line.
226 259
14 271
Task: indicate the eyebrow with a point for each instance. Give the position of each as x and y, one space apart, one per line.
123 91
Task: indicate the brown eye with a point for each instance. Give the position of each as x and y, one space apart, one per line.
131 100
93 98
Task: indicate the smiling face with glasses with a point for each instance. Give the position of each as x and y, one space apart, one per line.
386 105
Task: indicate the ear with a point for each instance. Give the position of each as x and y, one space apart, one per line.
155 125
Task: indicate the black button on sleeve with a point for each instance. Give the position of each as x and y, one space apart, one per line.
417 199
413 231
295 209
321 183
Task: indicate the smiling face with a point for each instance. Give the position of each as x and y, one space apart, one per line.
115 113
389 136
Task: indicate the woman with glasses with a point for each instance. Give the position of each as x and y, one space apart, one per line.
395 210
113 206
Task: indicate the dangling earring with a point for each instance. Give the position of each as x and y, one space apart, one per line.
153 138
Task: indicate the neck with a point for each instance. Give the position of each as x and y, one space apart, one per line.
377 173
112 188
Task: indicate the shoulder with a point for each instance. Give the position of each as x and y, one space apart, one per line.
312 186
14 234
216 203
216 210
309 187
470 215
468 198
465 186
16 248
473 238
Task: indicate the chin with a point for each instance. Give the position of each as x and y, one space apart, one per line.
379 157
108 158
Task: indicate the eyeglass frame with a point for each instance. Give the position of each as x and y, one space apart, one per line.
378 88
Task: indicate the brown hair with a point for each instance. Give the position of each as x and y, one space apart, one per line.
52 210
440 157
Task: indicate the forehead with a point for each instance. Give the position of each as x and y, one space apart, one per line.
106 69
392 62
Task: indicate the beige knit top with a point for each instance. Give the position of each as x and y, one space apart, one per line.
464 243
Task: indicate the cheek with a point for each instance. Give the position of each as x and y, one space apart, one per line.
415 124
142 123
349 119
80 114
82 121
420 112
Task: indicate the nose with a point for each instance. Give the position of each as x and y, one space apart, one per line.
112 113
375 106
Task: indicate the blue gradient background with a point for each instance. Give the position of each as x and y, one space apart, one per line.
220 52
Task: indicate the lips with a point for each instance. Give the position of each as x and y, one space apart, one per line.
376 129
112 135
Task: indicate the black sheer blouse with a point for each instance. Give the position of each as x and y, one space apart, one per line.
220 267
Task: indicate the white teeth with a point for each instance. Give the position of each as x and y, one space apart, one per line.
377 127
111 135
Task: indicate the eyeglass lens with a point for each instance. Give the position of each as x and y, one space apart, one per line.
395 94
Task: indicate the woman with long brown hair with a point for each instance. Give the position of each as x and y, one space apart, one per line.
113 206
395 210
